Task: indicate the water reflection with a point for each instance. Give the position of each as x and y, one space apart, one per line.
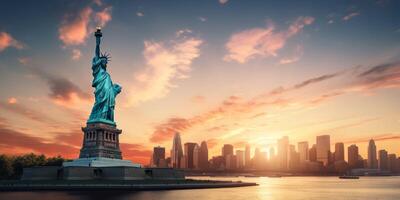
326 188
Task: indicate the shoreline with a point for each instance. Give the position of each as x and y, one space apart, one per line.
128 185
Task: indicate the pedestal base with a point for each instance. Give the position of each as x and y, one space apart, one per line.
100 162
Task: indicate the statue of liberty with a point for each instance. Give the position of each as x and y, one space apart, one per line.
105 91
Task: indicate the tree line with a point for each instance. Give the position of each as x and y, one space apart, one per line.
11 166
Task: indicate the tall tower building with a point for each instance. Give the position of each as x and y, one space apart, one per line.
176 152
323 148
203 157
239 159
303 150
339 151
352 155
271 153
196 157
227 149
247 156
392 163
312 153
158 159
383 160
283 151
372 161
189 154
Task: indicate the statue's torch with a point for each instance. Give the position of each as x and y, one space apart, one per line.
98 32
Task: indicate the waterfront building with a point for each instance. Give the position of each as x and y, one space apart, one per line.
339 151
227 149
247 155
189 155
240 159
303 150
231 161
158 158
372 161
312 153
196 156
283 151
392 163
323 149
352 156
383 160
176 152
203 157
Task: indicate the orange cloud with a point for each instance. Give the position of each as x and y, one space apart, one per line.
12 100
380 137
136 153
35 115
262 42
6 40
165 62
13 141
63 91
75 31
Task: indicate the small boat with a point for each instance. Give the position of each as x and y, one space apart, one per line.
349 177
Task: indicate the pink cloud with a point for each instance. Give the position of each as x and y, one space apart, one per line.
103 17
350 15
75 31
76 54
165 62
298 53
6 40
262 42
223 1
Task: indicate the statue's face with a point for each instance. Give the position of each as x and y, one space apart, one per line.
104 61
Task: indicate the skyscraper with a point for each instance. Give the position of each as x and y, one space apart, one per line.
323 148
339 151
352 156
383 160
271 153
372 161
189 154
392 162
312 153
176 152
239 159
158 159
230 161
227 149
203 157
247 156
196 157
303 150
283 151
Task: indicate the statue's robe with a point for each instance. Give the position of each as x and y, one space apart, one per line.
105 93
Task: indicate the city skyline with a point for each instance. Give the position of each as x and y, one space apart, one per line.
318 159
223 72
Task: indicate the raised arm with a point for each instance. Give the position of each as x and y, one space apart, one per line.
98 35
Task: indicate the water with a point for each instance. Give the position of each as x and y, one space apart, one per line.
325 188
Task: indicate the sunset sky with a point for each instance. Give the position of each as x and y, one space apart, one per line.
227 71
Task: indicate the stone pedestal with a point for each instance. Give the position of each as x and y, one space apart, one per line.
100 140
100 148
